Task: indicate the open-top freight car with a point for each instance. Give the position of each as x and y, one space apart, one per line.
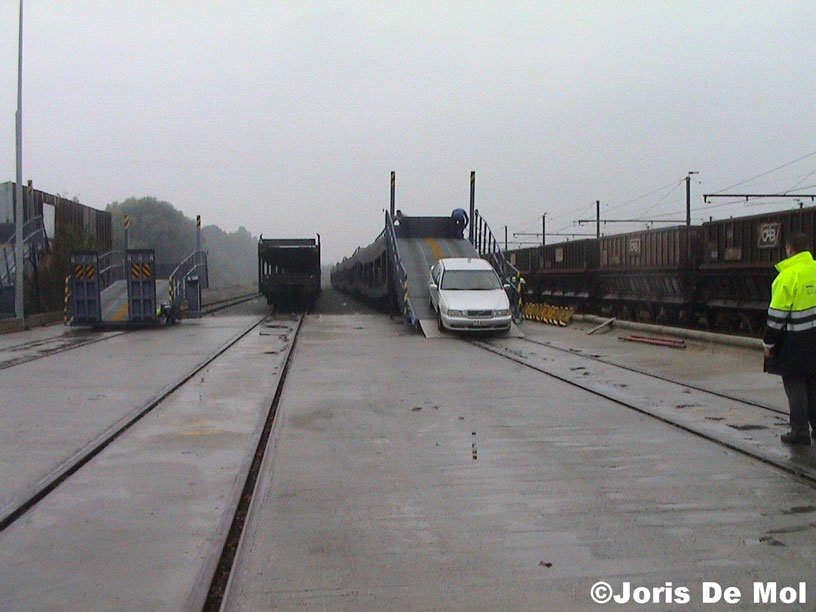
737 266
560 273
650 274
289 271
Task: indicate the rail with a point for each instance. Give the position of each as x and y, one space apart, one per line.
488 248
194 262
399 278
111 268
34 238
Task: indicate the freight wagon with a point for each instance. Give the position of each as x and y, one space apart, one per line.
718 274
737 266
289 271
560 273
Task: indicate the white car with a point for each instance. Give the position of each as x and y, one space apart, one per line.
466 294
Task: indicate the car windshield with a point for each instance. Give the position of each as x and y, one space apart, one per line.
470 280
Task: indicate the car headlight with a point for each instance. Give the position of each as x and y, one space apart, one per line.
456 313
501 313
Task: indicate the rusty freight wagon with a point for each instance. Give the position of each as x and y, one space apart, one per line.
289 271
650 274
737 268
561 273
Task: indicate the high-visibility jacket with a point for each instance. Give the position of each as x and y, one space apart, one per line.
791 328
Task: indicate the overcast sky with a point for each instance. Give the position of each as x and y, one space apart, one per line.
287 117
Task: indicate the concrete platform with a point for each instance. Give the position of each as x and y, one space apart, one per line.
412 475
52 409
141 527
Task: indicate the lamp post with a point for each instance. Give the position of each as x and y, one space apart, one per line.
18 190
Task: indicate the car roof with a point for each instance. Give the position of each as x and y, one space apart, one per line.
465 263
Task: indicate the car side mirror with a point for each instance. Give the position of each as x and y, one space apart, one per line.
433 286
507 286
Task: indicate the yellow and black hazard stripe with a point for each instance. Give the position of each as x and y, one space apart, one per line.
90 271
79 272
135 270
147 270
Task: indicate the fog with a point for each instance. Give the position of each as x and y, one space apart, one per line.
287 117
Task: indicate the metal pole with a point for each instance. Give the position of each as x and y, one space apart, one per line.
688 196
688 199
505 238
393 184
127 231
198 233
19 310
597 218
544 230
472 204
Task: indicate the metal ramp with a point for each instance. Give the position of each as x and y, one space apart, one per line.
418 255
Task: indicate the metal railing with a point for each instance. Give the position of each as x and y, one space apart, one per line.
34 240
195 263
399 277
111 268
488 248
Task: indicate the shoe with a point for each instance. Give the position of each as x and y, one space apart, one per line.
795 438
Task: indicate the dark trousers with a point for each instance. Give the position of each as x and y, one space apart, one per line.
801 392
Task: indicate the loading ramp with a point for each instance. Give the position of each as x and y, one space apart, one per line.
420 243
392 272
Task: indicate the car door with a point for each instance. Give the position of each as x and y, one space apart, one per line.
433 289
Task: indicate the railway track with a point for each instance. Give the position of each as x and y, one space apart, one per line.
45 347
744 426
656 376
70 466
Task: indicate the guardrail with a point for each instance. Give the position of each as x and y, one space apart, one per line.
34 239
196 262
111 268
399 277
488 248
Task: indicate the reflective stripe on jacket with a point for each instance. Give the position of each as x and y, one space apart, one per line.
791 327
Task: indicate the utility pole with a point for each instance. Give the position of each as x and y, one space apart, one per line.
597 218
505 237
688 196
544 230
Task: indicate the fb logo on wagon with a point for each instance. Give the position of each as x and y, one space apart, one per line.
769 234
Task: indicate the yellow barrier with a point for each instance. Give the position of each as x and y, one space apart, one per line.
546 313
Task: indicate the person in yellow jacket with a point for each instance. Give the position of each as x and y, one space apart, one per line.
790 336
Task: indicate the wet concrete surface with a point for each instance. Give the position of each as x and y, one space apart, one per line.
332 301
413 474
731 370
141 527
54 408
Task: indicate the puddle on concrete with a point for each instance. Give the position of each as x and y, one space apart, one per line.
748 427
800 510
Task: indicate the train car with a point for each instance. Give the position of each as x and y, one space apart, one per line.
365 274
737 268
289 271
560 273
650 274
61 216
